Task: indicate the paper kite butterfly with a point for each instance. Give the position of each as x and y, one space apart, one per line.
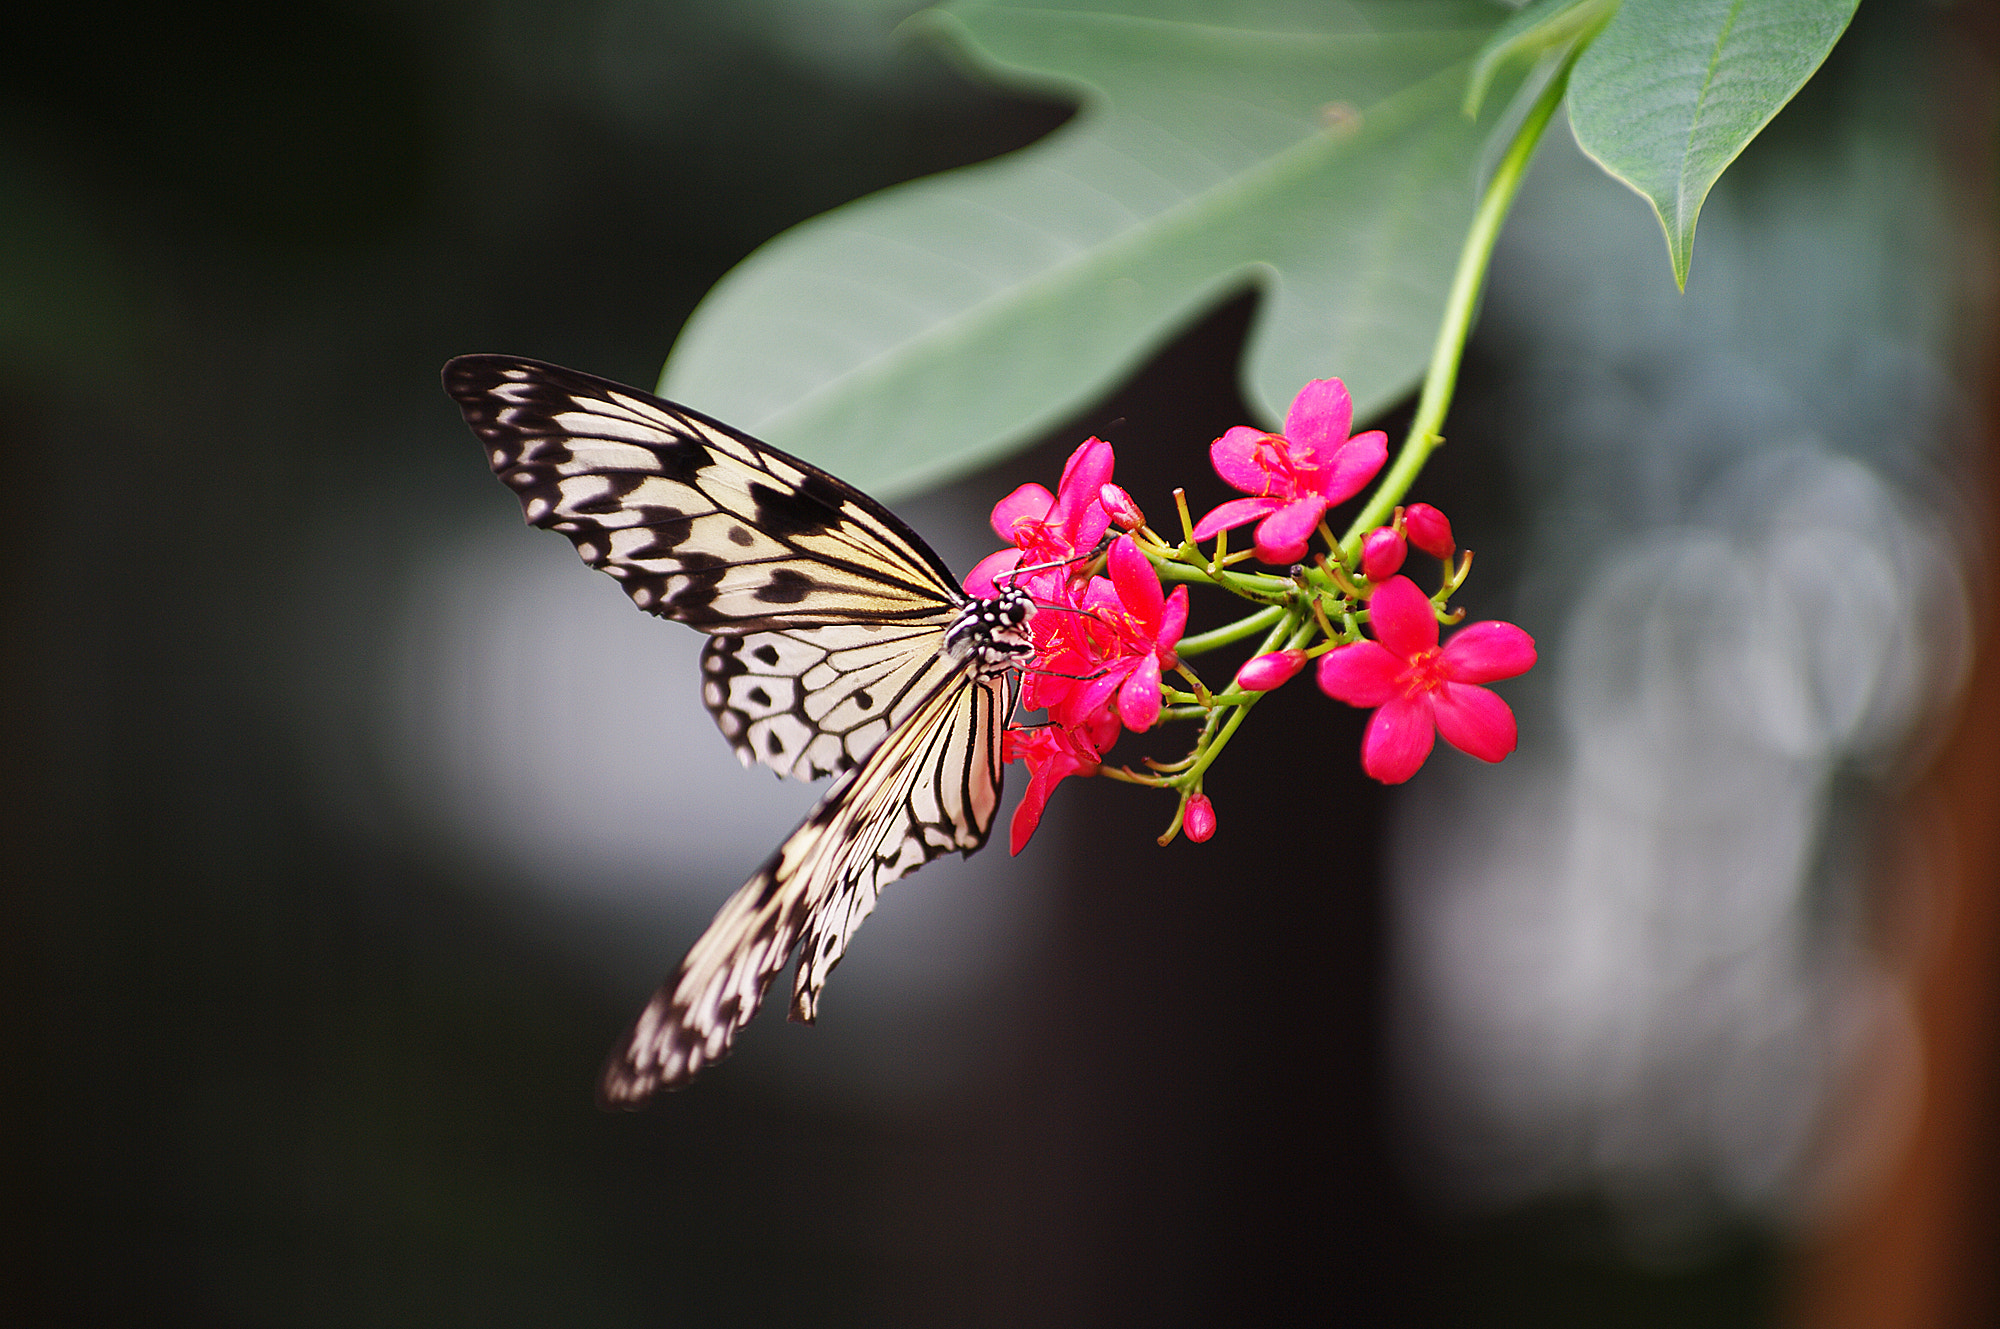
839 644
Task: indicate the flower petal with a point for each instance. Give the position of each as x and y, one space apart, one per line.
1283 536
1233 514
1243 458
1093 694
1027 817
1049 586
1320 416
1088 528
983 580
1402 617
1354 465
1094 734
1139 699
1361 673
1100 598
1474 720
1483 652
1079 513
1086 472
1030 503
1138 585
1041 691
1052 755
1173 622
1398 739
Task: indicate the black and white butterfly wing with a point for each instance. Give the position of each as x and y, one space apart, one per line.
932 787
829 613
840 644
810 702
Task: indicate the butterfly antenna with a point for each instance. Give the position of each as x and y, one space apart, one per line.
1060 608
1095 552
1074 678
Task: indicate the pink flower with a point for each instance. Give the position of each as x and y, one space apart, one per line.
1428 530
1050 528
1127 636
1382 553
1199 823
1264 672
1053 753
1419 689
1297 475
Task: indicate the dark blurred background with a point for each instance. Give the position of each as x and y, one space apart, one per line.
347 822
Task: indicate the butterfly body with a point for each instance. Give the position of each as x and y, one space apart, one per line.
840 645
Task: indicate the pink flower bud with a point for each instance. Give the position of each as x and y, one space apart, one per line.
1382 553
1118 505
1267 671
1199 823
1428 530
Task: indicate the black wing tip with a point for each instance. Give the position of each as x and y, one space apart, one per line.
470 378
657 1055
619 1090
624 1085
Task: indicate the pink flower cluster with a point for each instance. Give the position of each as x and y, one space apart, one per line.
1101 643
1418 690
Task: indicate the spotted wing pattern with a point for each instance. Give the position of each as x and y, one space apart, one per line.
812 702
931 787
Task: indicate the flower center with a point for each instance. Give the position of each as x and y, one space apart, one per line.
1282 464
1424 673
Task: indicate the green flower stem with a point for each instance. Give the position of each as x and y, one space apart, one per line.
1186 701
1250 585
1213 739
1247 626
1235 698
1459 307
1124 776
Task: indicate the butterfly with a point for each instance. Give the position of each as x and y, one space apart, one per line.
839 644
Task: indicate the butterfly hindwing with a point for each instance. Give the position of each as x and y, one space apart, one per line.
932 787
943 800
811 702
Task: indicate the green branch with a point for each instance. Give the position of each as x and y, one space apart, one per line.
1460 305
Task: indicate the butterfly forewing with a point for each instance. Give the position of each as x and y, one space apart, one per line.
931 788
697 521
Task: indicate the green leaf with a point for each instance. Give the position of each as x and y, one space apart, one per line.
1673 90
1315 152
1535 30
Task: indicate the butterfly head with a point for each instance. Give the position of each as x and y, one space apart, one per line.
994 630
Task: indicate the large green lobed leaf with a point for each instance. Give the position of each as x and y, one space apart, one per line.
1314 151
1673 90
